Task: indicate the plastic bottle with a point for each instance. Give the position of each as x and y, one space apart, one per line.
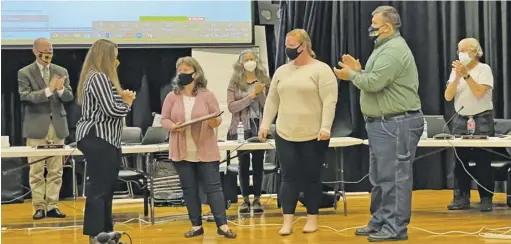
471 126
425 131
241 133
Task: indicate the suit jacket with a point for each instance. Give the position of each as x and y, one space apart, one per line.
41 110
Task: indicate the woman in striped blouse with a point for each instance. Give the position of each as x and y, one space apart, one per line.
98 132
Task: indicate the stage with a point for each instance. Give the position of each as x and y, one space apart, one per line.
429 213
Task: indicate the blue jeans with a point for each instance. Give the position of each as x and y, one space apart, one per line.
206 174
392 145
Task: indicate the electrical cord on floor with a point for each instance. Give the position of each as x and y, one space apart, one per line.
356 227
328 227
126 233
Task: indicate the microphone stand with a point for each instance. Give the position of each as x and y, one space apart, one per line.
443 135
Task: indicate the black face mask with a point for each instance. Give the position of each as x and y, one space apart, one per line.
184 79
374 32
292 53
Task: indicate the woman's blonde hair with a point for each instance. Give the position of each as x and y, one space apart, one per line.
303 37
100 58
238 77
200 79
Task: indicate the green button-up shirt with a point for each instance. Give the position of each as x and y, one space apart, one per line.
389 83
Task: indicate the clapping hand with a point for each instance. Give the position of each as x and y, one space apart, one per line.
60 83
128 96
57 82
343 73
348 64
351 62
258 88
461 70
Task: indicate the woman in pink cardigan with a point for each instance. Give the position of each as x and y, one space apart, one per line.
194 149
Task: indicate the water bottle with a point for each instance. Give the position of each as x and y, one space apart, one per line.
471 126
425 131
241 133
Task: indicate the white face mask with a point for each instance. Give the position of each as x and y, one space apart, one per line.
464 58
250 65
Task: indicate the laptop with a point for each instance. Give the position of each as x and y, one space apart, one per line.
436 125
153 135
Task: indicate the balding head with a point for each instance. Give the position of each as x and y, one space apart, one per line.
42 43
43 50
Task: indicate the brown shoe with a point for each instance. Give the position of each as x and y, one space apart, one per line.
193 233
228 234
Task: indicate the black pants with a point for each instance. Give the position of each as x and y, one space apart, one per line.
103 164
207 175
257 171
483 170
301 164
244 166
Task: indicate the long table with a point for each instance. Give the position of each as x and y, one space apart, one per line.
337 144
484 144
458 142
444 144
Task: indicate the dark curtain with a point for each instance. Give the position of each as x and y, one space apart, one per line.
432 29
146 71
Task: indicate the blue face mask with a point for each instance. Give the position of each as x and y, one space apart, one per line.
374 32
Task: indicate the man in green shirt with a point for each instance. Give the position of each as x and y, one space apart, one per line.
394 122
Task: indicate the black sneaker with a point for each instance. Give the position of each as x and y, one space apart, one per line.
383 236
245 207
461 202
257 207
486 204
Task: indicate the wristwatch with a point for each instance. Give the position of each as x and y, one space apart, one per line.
466 76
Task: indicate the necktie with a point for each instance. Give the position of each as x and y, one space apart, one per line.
46 75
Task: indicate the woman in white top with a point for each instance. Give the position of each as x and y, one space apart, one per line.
471 85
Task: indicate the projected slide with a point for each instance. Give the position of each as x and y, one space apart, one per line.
127 22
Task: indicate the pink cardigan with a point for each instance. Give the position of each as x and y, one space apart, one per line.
202 133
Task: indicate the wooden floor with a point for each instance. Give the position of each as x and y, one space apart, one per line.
429 212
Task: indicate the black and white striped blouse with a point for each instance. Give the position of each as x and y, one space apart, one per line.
102 108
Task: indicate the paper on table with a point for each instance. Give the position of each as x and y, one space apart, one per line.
157 120
200 119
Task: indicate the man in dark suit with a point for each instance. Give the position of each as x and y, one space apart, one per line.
43 88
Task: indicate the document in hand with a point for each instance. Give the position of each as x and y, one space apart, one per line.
200 119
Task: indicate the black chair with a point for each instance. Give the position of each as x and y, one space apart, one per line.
132 173
501 165
167 188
